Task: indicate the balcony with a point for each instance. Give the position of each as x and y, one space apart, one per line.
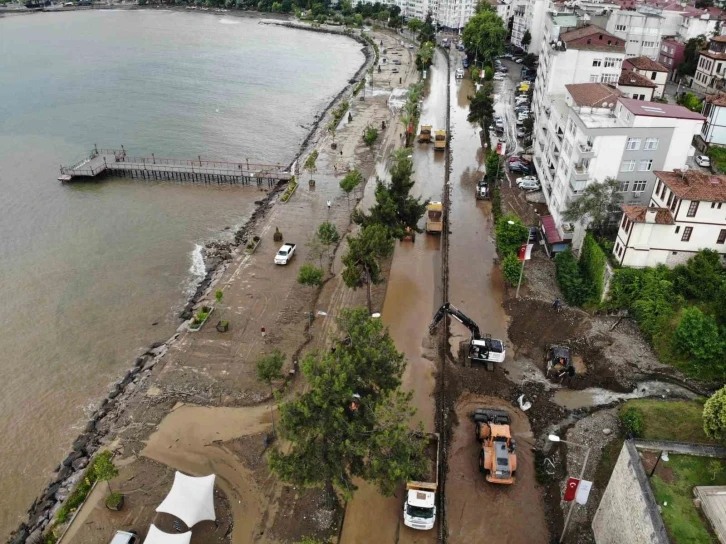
580 173
585 150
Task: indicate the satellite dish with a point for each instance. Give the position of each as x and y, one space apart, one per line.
610 105
604 104
559 43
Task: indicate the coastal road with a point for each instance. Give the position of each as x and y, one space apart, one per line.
412 297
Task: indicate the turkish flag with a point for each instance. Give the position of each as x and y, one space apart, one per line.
499 148
571 489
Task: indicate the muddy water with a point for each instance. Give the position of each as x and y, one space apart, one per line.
596 396
476 286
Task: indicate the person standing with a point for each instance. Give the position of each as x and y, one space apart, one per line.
328 205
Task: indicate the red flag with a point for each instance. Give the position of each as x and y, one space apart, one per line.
571 489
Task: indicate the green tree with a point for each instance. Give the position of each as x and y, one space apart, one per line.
511 234
427 33
370 136
362 262
395 208
351 180
310 165
691 55
597 204
269 369
492 166
481 106
697 336
484 35
691 101
511 268
529 60
526 39
104 468
310 275
714 416
353 419
701 277
425 56
328 234
414 25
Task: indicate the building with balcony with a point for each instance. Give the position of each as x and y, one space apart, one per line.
711 65
686 213
650 69
671 55
529 15
594 134
640 30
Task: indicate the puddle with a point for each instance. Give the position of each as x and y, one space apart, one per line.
572 400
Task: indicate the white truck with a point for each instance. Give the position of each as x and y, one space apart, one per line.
419 510
285 253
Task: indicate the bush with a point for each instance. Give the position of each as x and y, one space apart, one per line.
511 268
310 275
496 204
697 336
114 500
575 288
633 422
592 263
510 237
714 416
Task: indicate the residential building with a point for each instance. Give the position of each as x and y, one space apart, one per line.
594 134
502 7
714 129
634 85
671 55
698 23
529 15
452 14
686 213
519 24
639 29
654 71
711 65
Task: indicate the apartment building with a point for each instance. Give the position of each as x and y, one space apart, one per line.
652 70
686 213
594 134
698 23
711 65
640 30
529 15
502 7
714 129
671 55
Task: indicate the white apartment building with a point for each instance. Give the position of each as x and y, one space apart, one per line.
503 8
452 14
594 134
696 23
529 15
650 69
640 30
714 129
686 213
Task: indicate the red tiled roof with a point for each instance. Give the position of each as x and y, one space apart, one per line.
713 55
695 185
551 232
630 78
645 63
637 214
655 109
592 94
719 39
717 99
594 38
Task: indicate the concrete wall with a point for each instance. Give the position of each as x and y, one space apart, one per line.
628 511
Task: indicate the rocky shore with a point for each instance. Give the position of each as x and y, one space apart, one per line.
100 429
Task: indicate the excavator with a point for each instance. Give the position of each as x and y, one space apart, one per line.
481 348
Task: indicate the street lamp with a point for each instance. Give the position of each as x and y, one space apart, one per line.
555 438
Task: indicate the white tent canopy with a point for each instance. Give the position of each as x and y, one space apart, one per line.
157 536
190 499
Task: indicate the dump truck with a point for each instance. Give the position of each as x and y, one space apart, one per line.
419 510
497 457
425 134
440 140
435 217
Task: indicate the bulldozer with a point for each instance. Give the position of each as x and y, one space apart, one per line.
497 458
559 362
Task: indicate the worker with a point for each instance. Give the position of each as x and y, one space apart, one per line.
328 205
556 304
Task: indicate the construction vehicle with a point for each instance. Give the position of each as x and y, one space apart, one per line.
425 134
440 140
435 217
419 510
409 234
497 458
482 190
559 362
481 349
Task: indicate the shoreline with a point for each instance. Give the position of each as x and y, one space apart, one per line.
216 255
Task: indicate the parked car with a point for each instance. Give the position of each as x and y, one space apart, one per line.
396 61
518 61
394 70
465 62
499 123
527 179
459 73
125 537
532 235
498 77
703 160
517 159
521 133
529 185
503 69
519 167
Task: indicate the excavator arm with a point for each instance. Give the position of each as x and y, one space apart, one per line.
453 311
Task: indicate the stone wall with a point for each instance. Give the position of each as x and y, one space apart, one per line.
628 511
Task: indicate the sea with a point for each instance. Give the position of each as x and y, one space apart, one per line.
91 273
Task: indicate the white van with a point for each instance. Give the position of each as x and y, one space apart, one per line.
459 73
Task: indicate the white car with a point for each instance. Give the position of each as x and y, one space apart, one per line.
124 537
528 183
518 61
498 77
459 73
703 160
499 123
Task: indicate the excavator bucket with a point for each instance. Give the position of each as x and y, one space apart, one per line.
491 415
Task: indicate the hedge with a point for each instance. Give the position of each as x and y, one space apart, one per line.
592 263
575 287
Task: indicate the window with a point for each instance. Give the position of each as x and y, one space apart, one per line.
686 234
625 220
645 165
721 237
692 208
651 144
594 78
627 166
664 48
619 28
713 205
678 229
611 62
597 62
633 144
609 78
639 186
653 75
719 206
657 187
624 186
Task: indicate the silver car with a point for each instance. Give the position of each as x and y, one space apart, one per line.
125 537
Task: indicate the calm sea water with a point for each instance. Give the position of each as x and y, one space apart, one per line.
86 269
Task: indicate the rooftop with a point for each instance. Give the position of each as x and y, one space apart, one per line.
717 99
637 214
656 109
593 94
630 78
714 55
695 185
594 38
644 63
719 39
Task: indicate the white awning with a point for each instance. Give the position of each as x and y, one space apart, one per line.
157 536
190 499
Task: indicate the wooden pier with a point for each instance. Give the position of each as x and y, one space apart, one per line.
118 163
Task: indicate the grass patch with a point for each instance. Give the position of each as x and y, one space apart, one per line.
681 517
677 420
608 458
